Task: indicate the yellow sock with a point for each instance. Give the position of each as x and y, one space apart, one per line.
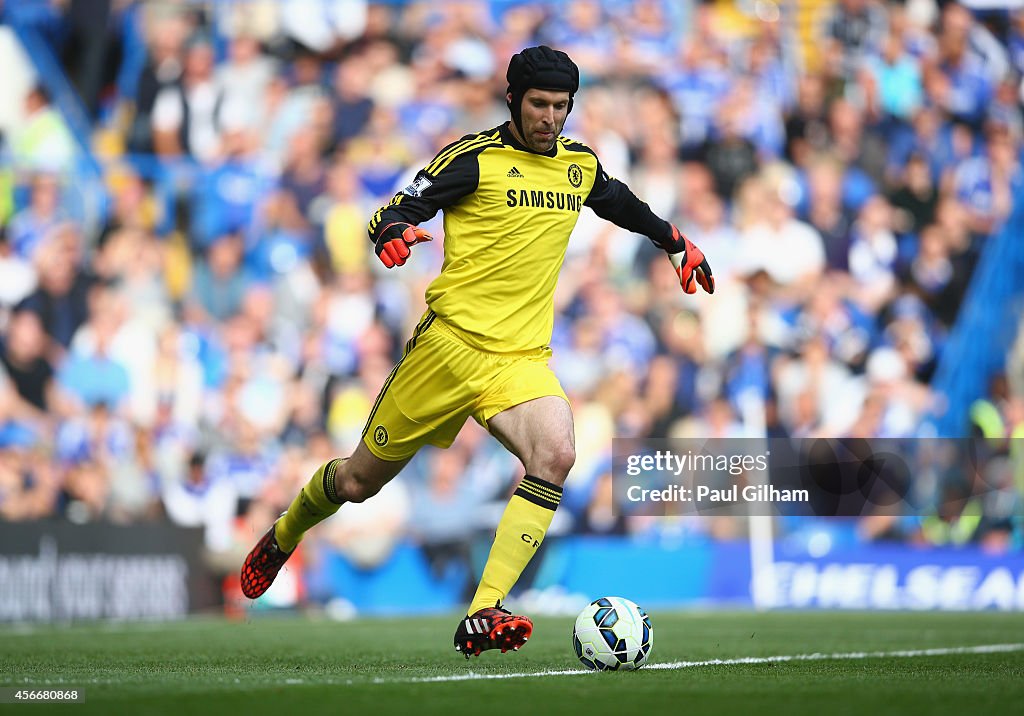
315 502
519 534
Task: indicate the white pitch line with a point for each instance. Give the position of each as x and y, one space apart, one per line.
471 676
675 665
904 654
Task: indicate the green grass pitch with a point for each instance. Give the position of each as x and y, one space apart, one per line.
277 665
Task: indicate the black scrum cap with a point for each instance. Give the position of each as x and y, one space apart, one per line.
539 68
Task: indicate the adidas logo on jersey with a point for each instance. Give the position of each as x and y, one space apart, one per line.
514 173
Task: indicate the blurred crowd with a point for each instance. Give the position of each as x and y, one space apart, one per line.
224 328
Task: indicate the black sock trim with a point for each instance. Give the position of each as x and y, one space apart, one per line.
544 484
329 470
540 492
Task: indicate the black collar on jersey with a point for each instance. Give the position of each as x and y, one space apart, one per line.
508 138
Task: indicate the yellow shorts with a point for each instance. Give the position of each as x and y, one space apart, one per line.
441 381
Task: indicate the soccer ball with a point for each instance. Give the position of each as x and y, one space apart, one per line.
612 634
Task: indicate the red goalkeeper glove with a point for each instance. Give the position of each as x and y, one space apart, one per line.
690 263
394 240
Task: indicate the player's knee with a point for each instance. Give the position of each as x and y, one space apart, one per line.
557 462
356 486
565 459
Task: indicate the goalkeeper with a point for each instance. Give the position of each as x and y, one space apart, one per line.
511 197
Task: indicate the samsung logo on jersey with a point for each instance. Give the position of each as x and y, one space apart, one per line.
559 200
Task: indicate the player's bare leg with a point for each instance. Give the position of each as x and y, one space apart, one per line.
336 482
364 474
540 434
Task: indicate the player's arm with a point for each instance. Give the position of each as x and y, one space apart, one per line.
613 201
450 176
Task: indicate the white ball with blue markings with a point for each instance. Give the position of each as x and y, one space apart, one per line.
612 634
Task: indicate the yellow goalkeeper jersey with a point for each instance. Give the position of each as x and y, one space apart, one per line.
508 213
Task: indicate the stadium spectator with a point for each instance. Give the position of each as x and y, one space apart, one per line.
25 362
17 276
28 481
187 117
985 184
161 72
932 274
44 142
854 29
806 124
895 89
826 210
368 534
60 298
220 282
790 251
873 255
30 226
441 500
246 74
730 154
916 197
197 500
